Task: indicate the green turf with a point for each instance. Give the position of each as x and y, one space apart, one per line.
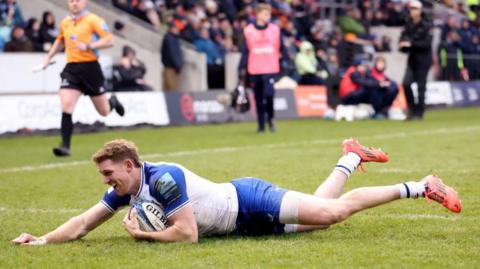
404 234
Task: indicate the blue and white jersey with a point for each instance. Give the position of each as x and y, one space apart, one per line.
172 186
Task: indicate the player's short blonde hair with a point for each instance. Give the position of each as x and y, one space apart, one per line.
262 6
117 150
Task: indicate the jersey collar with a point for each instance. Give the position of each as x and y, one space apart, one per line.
79 16
142 180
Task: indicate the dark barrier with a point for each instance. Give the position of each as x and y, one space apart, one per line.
466 93
214 107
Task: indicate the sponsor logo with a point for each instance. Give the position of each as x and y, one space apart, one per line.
280 104
263 50
187 107
311 100
64 82
152 209
167 188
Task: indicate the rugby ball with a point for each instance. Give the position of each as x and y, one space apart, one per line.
150 216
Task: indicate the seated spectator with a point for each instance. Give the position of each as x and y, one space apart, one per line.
33 33
362 85
5 33
10 13
383 44
465 31
215 64
306 64
119 28
472 58
378 18
48 30
147 9
396 14
451 25
334 77
128 75
18 41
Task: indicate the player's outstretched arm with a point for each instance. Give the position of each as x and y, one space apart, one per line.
183 227
73 229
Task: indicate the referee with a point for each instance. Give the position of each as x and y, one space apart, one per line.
82 34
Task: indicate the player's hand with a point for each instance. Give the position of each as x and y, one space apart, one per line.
29 240
46 62
82 46
130 223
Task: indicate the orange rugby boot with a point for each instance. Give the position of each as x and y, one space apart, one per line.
437 191
366 154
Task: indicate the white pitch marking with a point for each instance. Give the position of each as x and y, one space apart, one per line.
234 149
42 210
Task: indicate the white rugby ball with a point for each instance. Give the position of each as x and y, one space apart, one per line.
150 216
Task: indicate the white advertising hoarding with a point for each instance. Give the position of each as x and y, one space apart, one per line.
42 112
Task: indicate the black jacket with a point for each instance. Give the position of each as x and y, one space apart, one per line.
420 35
364 80
171 52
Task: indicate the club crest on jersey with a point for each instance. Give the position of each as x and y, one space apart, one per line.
167 188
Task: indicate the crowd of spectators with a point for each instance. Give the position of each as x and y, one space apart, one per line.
20 35
215 28
458 53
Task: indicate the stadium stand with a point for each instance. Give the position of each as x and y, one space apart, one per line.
363 27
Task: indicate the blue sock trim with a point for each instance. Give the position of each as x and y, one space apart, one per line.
408 190
341 166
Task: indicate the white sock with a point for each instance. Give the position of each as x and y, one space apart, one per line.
348 163
411 189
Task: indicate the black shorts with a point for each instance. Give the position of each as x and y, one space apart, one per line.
86 77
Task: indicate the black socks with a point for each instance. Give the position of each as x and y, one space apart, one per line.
66 129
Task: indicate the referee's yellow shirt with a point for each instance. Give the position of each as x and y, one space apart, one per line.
87 28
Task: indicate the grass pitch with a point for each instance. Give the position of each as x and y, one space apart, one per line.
39 192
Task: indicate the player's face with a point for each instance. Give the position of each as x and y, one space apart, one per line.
380 65
76 6
118 175
264 16
415 12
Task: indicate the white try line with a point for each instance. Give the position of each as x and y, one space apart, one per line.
42 210
332 141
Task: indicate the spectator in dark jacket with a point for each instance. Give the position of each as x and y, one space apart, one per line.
18 41
33 33
215 62
370 87
172 59
416 40
451 25
48 30
128 75
472 57
451 57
